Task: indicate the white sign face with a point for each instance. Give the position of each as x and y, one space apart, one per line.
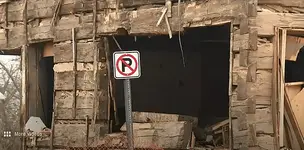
126 64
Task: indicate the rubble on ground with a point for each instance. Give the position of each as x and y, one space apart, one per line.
170 131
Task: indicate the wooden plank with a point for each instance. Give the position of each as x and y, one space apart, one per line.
16 37
45 8
275 87
294 3
81 113
293 47
85 80
292 91
74 52
266 21
24 90
212 10
263 56
292 122
291 135
294 83
263 84
74 134
163 134
132 3
34 97
220 124
240 41
145 21
144 117
84 52
64 67
297 105
40 30
282 50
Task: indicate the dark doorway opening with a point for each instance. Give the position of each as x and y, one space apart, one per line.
46 82
199 89
294 69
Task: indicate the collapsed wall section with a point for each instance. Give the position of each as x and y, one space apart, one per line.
251 82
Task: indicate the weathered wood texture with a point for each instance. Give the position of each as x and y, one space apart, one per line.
147 117
74 135
252 80
175 135
84 104
140 21
85 52
35 105
267 20
295 3
85 81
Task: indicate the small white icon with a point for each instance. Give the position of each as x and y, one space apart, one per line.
7 134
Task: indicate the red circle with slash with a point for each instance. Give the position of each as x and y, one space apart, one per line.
133 70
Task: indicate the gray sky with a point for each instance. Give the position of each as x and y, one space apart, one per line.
6 58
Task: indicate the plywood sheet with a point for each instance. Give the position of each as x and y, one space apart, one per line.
297 105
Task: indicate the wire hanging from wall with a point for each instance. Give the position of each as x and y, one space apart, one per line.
179 33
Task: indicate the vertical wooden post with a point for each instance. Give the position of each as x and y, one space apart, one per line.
230 85
24 55
95 65
282 85
24 92
74 72
275 83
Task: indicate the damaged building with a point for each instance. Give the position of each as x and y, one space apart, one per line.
217 74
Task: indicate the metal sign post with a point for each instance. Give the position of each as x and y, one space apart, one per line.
129 117
127 66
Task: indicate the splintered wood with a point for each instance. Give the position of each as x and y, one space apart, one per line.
162 130
294 127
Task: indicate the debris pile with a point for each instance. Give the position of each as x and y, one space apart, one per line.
170 131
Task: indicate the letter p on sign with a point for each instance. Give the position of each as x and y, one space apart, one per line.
126 64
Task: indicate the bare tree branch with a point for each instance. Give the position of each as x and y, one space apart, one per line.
10 76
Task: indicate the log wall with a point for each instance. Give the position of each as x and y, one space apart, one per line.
271 14
251 56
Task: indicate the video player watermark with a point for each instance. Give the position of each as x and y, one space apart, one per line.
8 134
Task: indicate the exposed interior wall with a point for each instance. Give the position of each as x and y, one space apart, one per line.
199 89
138 21
273 14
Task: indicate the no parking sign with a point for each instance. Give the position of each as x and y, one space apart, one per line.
126 64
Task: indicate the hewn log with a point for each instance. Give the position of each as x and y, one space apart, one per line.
84 104
294 3
63 52
163 134
85 80
146 117
132 3
240 41
263 56
74 135
266 21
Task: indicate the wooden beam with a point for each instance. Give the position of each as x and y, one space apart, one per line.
289 3
266 21
282 50
24 88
